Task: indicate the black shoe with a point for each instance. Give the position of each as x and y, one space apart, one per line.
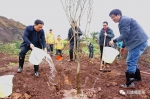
37 74
21 62
36 69
19 70
137 75
70 60
129 81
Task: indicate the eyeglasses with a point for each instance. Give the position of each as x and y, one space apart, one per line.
104 25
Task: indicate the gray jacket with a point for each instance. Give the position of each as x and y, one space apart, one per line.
131 33
109 36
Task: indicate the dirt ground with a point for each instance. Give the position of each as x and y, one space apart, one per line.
94 84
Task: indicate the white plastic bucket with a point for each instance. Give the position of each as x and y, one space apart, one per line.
6 85
36 56
109 54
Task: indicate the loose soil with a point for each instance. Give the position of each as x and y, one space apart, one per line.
94 84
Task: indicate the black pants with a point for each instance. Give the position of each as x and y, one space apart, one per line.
91 54
101 50
50 47
59 52
24 50
71 49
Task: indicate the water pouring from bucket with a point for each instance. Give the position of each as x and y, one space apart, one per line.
36 57
53 78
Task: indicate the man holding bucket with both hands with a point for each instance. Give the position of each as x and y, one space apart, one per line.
135 40
33 36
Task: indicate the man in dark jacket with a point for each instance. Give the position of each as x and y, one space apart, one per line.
33 37
71 38
135 40
108 32
91 50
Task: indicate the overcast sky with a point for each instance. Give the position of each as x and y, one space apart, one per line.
53 15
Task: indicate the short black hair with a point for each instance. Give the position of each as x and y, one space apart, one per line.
74 21
115 12
50 29
38 22
105 22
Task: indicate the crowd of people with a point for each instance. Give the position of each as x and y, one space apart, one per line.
132 36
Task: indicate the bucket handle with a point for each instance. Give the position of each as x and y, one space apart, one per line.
36 58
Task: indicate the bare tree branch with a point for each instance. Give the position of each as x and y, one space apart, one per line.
75 9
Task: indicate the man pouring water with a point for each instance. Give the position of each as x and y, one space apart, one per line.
33 36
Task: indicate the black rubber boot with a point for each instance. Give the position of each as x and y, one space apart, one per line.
36 70
21 62
137 75
129 81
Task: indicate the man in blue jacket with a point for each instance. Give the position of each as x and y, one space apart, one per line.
135 40
71 38
33 36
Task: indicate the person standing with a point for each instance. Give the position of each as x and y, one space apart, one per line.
71 39
108 32
50 40
135 40
33 36
91 50
59 45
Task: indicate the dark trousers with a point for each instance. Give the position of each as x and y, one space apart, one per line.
91 54
24 50
71 49
59 52
50 47
101 50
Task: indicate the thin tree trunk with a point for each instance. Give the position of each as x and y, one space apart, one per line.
78 70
